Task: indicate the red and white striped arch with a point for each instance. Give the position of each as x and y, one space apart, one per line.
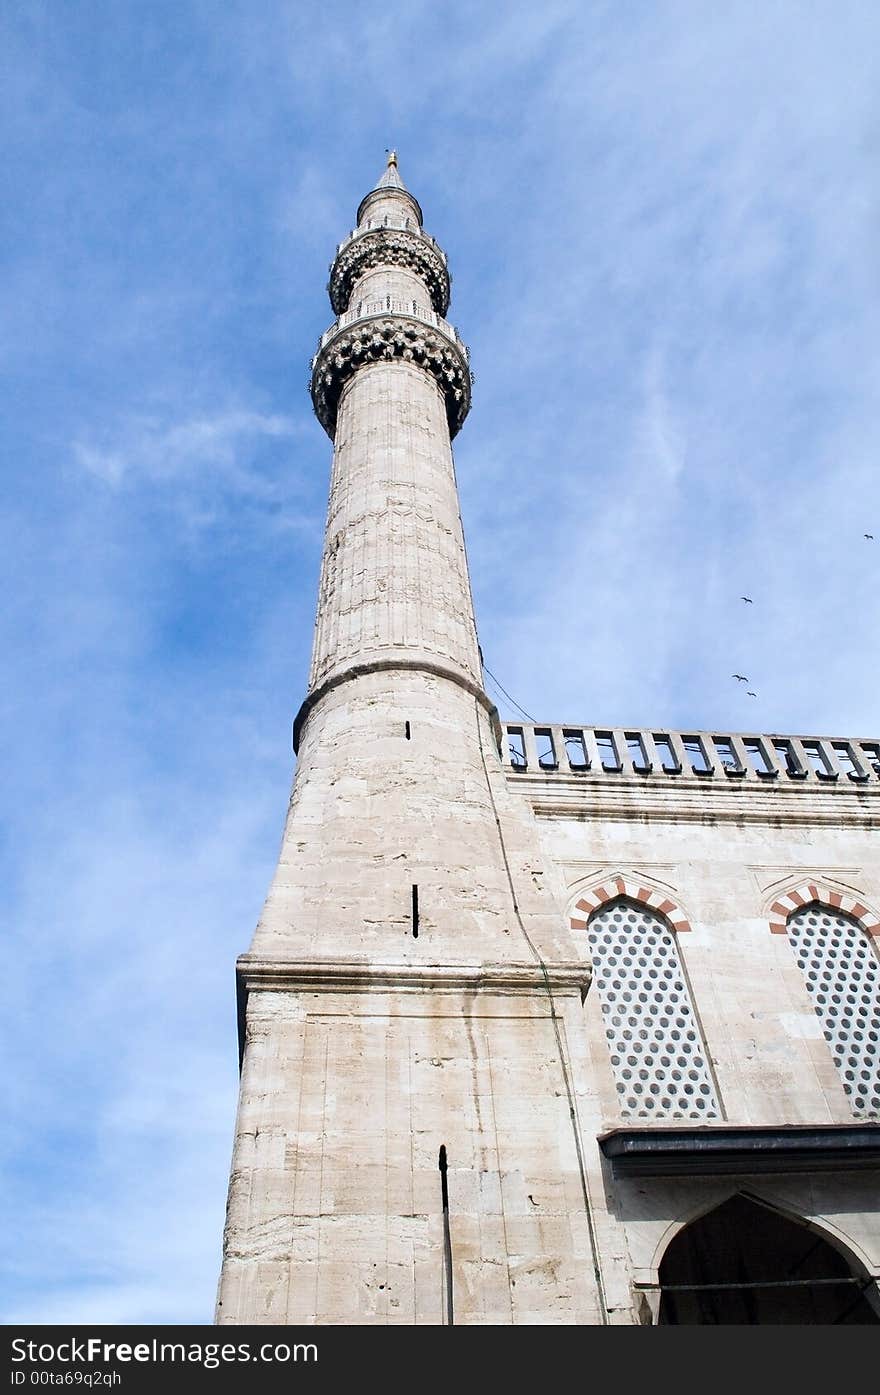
808 893
614 887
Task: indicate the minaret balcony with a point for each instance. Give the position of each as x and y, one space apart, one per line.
387 305
400 244
388 329
402 224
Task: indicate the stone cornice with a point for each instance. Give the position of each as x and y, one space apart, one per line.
585 800
388 247
723 1150
256 974
389 337
436 669
270 975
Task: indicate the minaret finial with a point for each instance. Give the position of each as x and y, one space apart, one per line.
390 180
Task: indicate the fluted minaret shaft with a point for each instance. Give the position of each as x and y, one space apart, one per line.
391 384
398 788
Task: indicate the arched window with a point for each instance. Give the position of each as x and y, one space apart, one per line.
657 1053
745 1262
842 975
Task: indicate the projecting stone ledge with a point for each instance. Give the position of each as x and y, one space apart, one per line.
718 1150
390 661
255 974
354 974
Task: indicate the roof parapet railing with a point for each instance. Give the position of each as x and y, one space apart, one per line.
704 756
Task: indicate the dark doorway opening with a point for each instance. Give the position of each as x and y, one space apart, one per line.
746 1263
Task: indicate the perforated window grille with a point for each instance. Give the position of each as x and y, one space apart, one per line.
842 974
658 1057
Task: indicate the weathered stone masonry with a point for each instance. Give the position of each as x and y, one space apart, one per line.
421 972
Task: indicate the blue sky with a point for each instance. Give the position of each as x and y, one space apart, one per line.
662 221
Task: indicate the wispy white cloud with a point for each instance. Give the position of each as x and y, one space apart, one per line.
203 466
219 446
694 375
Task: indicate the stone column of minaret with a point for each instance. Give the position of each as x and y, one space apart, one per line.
412 981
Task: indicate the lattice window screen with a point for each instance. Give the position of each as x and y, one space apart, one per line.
658 1056
842 974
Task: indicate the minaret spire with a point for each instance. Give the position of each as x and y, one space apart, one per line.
390 178
381 203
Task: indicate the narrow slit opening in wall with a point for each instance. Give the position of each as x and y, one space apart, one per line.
415 911
406 728
447 1238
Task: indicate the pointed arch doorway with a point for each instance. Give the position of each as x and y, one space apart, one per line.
745 1262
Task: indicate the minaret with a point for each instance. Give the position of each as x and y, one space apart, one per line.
410 974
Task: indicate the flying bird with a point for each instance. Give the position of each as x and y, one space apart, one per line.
748 600
751 694
739 678
870 535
